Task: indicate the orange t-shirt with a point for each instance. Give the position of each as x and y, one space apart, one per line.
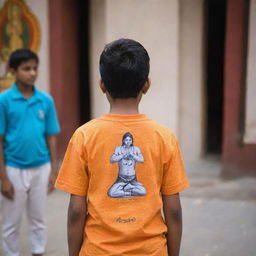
123 164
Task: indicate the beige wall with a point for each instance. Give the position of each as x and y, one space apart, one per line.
155 24
97 40
40 10
173 33
192 69
250 122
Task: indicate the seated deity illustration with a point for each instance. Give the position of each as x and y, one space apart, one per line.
19 28
127 155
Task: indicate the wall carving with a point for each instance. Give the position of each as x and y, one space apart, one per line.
19 28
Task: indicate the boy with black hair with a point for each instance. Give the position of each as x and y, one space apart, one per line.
28 124
122 168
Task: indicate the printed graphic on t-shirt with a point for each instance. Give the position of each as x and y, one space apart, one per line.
127 155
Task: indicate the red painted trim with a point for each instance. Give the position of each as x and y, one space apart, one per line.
237 159
64 67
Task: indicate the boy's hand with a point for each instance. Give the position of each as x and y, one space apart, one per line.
7 189
52 179
52 144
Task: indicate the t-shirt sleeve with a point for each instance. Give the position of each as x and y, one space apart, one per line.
73 175
2 118
174 177
52 124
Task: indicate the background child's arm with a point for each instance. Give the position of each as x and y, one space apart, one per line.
173 220
52 145
6 186
77 212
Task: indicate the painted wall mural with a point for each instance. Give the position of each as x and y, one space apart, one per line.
19 28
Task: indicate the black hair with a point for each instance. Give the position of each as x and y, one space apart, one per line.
125 136
21 55
124 68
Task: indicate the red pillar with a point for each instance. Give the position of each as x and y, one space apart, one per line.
64 66
238 158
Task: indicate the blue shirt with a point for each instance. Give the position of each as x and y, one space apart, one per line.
25 123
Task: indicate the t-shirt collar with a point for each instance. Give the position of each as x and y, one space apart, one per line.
110 116
16 94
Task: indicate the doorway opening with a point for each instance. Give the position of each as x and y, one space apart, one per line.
84 87
215 20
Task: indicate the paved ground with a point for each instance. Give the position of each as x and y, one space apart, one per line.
219 215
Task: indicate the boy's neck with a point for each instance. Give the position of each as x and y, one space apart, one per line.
124 106
26 90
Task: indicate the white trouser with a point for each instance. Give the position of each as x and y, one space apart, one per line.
30 188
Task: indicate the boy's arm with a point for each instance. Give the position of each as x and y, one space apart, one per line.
52 145
173 219
77 212
6 186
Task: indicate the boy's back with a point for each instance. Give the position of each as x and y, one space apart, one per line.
123 168
123 163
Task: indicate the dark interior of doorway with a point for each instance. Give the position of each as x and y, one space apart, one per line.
216 16
84 95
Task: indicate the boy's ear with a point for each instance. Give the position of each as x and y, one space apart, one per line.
146 86
102 86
